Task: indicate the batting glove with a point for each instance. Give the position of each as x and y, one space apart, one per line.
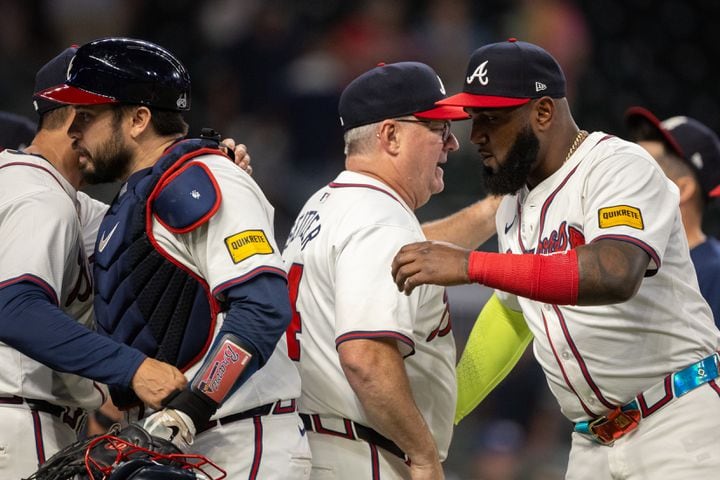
172 425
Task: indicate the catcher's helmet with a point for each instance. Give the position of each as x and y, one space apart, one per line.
143 469
124 70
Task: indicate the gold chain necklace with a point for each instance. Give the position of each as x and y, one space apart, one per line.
581 135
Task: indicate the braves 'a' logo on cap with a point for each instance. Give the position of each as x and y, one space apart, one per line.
480 73
442 87
69 67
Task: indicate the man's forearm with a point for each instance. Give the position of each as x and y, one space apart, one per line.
387 398
470 227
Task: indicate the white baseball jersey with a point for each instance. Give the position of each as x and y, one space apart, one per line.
220 253
235 244
43 244
599 357
47 228
338 256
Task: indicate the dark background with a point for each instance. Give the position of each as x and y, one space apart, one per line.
269 73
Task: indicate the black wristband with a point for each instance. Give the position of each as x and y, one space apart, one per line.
103 420
194 405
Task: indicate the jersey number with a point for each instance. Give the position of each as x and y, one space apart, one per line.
293 344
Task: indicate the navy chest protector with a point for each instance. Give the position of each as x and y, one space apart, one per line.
143 298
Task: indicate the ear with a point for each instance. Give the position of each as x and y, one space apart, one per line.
687 186
140 121
543 112
389 136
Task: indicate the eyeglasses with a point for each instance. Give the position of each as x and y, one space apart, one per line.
433 126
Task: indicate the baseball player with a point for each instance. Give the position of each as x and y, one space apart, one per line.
689 154
377 368
186 266
595 257
46 299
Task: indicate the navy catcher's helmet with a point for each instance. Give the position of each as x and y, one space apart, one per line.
124 70
143 469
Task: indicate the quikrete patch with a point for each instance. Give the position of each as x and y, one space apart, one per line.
620 215
246 244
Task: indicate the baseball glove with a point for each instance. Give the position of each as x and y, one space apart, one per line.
121 452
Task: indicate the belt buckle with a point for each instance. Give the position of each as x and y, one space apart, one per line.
616 424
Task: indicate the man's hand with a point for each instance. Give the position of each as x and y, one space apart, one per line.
155 380
242 157
171 425
438 263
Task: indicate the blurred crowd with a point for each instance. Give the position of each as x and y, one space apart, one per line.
269 73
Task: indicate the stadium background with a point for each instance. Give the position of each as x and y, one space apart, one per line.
269 73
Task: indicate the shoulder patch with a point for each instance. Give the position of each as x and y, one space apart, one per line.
188 199
620 215
246 244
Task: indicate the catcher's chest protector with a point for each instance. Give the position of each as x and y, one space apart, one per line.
142 299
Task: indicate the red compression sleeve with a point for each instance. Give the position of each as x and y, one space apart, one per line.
545 278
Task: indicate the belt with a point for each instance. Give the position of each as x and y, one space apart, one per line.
274 408
73 417
353 431
605 430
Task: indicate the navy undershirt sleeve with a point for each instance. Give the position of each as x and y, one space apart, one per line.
259 314
33 325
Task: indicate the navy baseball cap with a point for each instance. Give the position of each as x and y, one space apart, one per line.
688 138
395 90
50 75
507 74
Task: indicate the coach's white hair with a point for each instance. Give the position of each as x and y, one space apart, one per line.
358 139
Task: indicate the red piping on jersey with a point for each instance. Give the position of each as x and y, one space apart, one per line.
27 277
361 334
205 217
214 306
562 370
364 185
39 167
581 362
39 443
251 274
648 249
375 462
714 386
519 210
547 203
257 456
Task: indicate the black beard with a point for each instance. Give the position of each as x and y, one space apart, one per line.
109 164
513 173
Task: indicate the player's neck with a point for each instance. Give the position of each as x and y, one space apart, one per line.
382 171
692 224
55 147
149 152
